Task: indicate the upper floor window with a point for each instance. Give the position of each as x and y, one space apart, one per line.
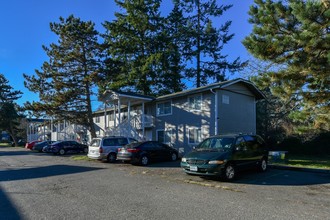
164 108
195 102
97 119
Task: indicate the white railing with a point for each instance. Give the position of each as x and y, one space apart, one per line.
132 128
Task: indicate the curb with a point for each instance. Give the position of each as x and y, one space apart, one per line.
311 170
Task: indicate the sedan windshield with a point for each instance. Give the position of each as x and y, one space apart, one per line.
216 144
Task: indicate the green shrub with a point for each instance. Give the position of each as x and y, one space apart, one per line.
320 145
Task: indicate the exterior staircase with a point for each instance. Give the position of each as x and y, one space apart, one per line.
132 128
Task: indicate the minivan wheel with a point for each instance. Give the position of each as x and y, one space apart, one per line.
174 157
111 158
229 172
263 165
61 152
144 160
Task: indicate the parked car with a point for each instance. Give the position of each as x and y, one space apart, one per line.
63 147
145 152
107 148
20 143
39 146
47 149
225 155
30 145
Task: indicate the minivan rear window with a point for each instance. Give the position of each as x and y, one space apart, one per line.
95 142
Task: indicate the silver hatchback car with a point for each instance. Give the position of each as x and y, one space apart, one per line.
106 148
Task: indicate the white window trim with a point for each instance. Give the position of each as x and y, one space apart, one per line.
188 136
195 110
162 103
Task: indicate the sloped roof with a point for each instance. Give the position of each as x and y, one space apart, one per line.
115 94
134 98
220 85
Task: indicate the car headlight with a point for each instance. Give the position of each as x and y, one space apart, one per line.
184 159
216 162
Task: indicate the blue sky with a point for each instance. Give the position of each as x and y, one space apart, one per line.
24 26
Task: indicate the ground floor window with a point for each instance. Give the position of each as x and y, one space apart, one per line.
164 136
194 135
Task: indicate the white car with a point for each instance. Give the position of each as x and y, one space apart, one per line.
106 148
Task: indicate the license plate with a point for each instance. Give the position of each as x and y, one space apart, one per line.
193 168
92 151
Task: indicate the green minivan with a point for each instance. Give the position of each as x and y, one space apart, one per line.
225 155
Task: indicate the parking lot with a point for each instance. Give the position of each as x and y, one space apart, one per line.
42 186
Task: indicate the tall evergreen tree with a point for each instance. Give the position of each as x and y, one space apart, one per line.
173 42
205 40
65 83
296 34
137 45
9 115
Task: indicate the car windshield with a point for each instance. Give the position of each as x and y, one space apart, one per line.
216 144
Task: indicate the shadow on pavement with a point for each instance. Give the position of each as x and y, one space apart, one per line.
167 164
275 177
39 172
272 177
7 209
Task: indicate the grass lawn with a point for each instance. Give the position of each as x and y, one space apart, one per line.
5 145
81 157
308 161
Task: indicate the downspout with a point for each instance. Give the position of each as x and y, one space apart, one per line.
143 122
216 124
115 116
105 118
129 118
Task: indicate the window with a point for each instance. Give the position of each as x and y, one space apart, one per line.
164 108
225 99
97 119
195 136
148 146
112 117
160 136
195 102
164 136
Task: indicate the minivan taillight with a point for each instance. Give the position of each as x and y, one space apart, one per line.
100 150
133 150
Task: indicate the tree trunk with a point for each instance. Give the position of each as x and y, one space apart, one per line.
198 70
12 134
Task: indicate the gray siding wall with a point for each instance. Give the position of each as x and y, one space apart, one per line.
182 119
236 110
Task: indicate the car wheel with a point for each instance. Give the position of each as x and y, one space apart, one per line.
111 158
144 160
229 172
85 150
61 151
263 165
174 157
